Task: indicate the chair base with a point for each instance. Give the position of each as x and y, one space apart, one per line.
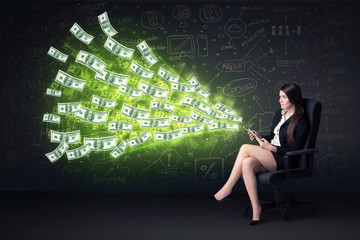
281 206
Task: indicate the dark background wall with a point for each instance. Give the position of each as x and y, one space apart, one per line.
242 52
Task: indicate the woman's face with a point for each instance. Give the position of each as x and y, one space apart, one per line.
284 101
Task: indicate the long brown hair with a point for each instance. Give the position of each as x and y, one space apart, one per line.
293 92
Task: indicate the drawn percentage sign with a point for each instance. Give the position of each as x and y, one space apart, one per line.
205 168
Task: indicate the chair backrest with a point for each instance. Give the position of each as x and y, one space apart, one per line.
312 109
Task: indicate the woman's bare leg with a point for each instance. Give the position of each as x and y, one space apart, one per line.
260 161
235 173
246 150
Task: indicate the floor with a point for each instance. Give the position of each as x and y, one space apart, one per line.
170 215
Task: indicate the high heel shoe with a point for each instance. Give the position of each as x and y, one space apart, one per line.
227 198
256 222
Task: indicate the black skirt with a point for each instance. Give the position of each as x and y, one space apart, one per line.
279 159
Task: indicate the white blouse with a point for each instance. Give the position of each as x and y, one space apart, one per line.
276 141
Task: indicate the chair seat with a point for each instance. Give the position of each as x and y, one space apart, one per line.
276 177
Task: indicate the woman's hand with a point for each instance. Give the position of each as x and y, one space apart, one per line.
266 145
252 138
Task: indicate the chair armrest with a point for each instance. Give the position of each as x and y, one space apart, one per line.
301 152
308 151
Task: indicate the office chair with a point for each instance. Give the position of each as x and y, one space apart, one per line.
302 163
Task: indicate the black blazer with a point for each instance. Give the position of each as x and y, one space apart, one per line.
300 134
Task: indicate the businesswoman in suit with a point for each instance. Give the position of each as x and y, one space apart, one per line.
288 133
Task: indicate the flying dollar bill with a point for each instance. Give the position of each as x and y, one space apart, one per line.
120 126
198 88
168 136
153 91
159 105
216 114
69 81
167 76
118 49
129 91
62 57
105 25
147 53
90 61
181 119
101 144
232 118
68 137
79 152
141 71
48 117
197 104
69 108
182 87
112 78
53 92
119 150
200 118
223 108
80 34
155 123
134 113
192 129
58 152
103 102
144 137
91 116
223 126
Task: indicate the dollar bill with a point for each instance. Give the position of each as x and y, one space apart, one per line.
134 113
147 53
119 150
155 123
198 88
105 25
167 76
68 108
182 87
91 116
232 118
216 114
90 61
62 57
141 71
197 104
53 92
168 136
52 118
181 119
129 91
223 108
192 129
69 81
68 137
80 34
103 102
223 126
200 118
101 144
120 126
159 105
112 78
153 91
58 152
79 152
118 49
144 137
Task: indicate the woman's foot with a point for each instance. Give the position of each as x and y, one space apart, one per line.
222 193
257 212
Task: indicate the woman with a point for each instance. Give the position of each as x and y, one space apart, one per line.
288 133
